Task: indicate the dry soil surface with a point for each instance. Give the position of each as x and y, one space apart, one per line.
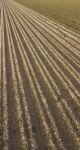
39 82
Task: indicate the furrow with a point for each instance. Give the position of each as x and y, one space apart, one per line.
43 68
59 69
66 64
25 105
17 97
38 65
52 24
4 90
50 118
58 46
51 145
42 21
39 81
43 27
0 78
53 34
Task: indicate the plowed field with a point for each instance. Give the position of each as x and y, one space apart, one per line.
39 82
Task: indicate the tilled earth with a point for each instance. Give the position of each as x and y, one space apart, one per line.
39 82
